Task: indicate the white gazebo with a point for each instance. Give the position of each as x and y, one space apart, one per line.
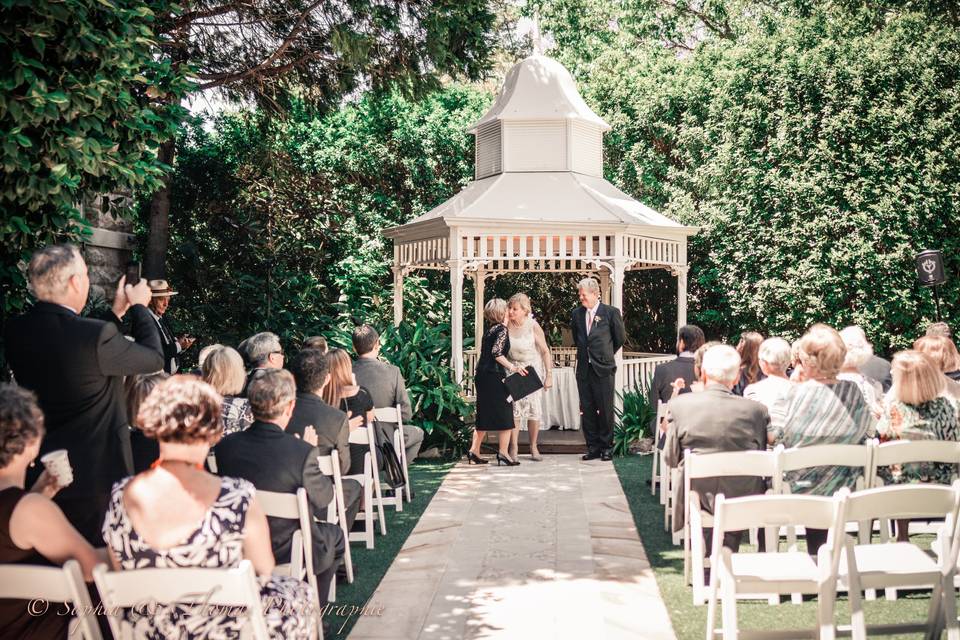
539 203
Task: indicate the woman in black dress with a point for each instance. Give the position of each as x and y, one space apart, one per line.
343 392
494 410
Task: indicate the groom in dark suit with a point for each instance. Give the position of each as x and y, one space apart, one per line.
598 334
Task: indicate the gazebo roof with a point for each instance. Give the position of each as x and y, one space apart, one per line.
539 88
557 198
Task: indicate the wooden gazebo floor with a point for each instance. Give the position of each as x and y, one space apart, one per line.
553 441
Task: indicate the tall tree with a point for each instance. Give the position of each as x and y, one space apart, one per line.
321 50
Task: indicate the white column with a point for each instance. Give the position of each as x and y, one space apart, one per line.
682 296
478 287
604 276
397 295
456 319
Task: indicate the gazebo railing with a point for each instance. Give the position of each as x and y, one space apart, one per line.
637 367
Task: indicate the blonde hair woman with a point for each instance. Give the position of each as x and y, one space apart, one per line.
917 409
494 412
223 370
940 350
528 347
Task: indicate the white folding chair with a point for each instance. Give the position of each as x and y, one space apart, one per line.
903 564
656 465
741 574
294 506
395 414
236 587
337 510
761 464
907 452
53 584
370 481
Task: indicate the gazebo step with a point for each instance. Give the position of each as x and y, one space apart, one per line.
553 441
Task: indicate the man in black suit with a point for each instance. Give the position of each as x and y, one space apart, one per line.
689 339
598 334
321 425
715 420
274 460
172 345
76 366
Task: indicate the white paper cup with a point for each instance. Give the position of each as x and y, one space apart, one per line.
58 464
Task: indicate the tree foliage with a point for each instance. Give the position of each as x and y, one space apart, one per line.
81 114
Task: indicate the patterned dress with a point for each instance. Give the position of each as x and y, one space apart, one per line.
523 353
216 543
815 413
237 414
933 420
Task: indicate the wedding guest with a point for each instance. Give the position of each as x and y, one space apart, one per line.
172 345
528 347
145 450
321 425
859 352
342 392
712 421
223 370
822 409
917 409
494 412
177 515
262 351
274 460
774 358
875 368
76 366
33 530
750 371
316 342
666 375
939 350
202 357
939 329
386 386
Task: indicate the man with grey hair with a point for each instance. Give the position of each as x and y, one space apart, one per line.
598 334
716 420
875 368
273 460
774 357
76 366
262 352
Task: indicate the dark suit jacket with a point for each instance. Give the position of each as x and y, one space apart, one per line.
385 384
664 374
878 369
605 339
76 365
333 430
168 341
276 461
712 421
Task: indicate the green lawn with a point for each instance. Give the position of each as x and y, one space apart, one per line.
689 622
371 564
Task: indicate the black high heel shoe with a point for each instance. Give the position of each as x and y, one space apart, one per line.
502 459
473 458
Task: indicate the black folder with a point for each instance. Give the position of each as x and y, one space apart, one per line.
520 387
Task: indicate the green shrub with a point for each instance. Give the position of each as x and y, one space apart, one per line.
633 419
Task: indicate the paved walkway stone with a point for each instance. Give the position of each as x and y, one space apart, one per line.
542 550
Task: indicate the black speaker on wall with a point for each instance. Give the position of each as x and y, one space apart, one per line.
930 268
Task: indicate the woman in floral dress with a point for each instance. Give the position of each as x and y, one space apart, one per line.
528 347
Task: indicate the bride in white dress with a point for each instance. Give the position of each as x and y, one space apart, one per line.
528 346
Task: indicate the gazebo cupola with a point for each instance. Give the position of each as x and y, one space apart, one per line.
539 122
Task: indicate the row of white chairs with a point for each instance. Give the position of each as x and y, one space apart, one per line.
843 563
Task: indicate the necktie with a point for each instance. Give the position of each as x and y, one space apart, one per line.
589 320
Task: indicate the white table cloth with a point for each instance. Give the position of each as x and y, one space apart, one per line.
561 403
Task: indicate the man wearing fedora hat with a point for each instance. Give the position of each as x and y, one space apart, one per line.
162 292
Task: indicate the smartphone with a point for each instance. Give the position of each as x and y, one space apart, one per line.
133 273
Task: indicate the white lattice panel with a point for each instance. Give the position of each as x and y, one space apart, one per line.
488 150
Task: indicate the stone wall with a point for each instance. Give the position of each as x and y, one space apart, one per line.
110 248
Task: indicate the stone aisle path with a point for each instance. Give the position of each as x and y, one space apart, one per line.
542 550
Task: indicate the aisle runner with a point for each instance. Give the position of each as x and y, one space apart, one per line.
543 550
